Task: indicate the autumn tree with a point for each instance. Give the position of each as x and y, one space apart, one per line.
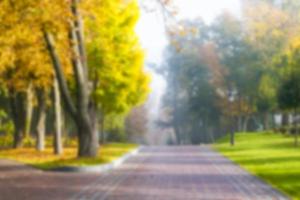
88 65
24 69
98 68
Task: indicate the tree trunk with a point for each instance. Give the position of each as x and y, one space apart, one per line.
273 121
285 119
296 137
266 121
177 134
232 141
245 123
239 123
211 135
232 135
81 111
176 113
296 129
86 110
29 111
102 133
80 114
88 136
41 126
57 142
18 115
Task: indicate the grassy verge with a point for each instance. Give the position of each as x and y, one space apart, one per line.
269 156
47 160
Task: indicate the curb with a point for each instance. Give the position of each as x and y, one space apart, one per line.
99 168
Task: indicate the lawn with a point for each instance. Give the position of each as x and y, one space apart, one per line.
270 156
47 160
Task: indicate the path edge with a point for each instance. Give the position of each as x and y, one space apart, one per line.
258 178
99 168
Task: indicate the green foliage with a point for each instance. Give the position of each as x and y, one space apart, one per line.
115 128
6 125
191 99
267 93
115 56
289 93
234 68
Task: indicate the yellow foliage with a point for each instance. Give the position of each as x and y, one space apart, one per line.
23 57
47 160
267 27
115 56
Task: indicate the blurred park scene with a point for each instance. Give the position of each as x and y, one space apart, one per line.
86 82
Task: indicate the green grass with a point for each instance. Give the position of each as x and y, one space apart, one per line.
47 160
270 156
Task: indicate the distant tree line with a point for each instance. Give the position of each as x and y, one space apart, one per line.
234 75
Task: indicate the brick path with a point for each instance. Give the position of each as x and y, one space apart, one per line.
157 173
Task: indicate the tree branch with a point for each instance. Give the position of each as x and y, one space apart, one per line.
59 73
79 72
78 24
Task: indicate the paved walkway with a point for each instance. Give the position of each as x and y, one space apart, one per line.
157 173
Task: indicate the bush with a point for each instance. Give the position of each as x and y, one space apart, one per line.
288 130
116 135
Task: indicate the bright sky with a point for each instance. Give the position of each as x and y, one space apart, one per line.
150 27
207 9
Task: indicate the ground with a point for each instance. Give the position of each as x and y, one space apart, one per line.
47 160
156 173
273 157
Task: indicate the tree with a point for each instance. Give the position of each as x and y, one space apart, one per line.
100 72
116 58
289 97
192 72
271 26
267 98
241 63
24 68
87 75
137 124
58 147
288 93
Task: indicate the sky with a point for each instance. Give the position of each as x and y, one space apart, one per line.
207 9
151 30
